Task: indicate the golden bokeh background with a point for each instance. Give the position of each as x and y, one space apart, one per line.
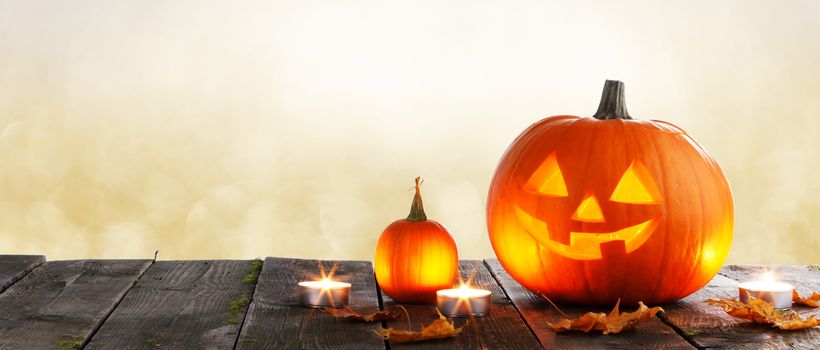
294 128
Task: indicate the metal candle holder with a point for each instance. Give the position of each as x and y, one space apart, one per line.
463 302
779 294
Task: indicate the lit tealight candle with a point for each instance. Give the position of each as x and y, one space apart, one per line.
779 294
463 302
324 293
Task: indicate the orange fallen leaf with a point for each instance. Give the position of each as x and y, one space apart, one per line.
348 313
812 301
440 328
613 323
760 311
585 323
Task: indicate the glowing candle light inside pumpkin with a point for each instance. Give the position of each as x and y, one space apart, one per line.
779 294
324 293
463 301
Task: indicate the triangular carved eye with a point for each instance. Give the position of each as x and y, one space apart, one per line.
636 186
547 180
589 210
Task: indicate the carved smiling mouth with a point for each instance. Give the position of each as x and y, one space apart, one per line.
587 245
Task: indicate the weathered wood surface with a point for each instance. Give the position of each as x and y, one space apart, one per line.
537 312
62 303
503 328
275 320
96 304
806 279
709 326
180 305
14 267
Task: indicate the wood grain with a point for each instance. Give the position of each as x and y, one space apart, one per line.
179 305
61 303
710 326
806 279
14 267
502 328
186 305
275 320
537 312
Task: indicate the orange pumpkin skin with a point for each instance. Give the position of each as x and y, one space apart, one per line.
415 257
658 226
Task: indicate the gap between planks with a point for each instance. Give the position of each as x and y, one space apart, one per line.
36 261
533 309
247 307
693 340
507 295
679 331
99 324
381 307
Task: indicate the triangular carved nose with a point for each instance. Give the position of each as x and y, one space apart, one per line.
589 210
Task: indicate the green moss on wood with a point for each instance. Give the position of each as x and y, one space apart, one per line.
253 275
71 343
236 307
238 304
150 343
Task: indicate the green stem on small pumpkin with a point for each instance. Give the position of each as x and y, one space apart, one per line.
417 208
613 103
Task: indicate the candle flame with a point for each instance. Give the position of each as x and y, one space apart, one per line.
327 287
464 292
768 276
327 275
325 282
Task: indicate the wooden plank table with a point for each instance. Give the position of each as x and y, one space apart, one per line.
14 267
505 329
180 304
62 303
276 321
252 304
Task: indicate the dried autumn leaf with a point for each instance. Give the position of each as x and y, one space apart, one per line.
760 311
812 301
756 310
440 328
613 323
348 313
585 323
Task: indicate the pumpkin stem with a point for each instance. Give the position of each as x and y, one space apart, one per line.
417 208
613 104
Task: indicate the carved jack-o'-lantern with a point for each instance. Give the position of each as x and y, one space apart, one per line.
590 210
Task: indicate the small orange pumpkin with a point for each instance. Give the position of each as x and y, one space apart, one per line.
415 257
593 210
